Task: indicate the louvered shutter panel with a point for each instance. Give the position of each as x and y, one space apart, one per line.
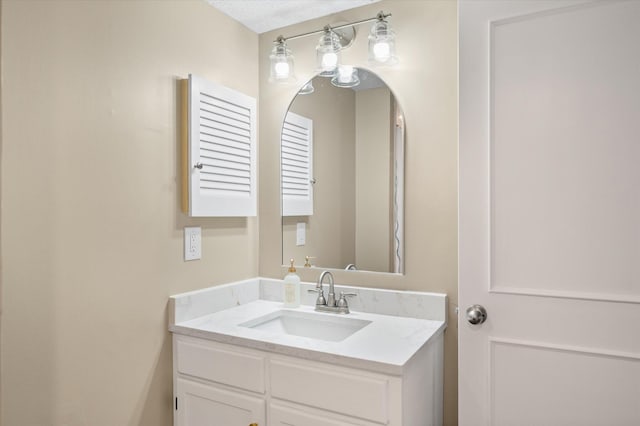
297 165
222 150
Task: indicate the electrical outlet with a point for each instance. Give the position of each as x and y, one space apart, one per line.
192 243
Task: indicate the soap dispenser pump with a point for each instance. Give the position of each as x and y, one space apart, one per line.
292 288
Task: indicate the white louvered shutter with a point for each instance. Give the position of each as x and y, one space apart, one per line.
222 151
297 165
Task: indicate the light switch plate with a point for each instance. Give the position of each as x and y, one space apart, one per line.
301 234
192 243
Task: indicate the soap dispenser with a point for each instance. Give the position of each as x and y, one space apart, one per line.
291 288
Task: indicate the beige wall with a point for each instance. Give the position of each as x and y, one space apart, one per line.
373 175
330 230
1 258
91 230
425 85
91 233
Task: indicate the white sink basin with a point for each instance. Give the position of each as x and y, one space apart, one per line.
307 324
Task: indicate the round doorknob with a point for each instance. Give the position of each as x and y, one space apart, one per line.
476 314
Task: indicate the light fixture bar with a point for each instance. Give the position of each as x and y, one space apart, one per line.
380 16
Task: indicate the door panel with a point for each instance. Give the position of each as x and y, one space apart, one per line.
550 212
204 405
550 385
564 162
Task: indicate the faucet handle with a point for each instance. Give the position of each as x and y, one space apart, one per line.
342 302
320 300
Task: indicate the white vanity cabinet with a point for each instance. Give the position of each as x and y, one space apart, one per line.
228 385
307 368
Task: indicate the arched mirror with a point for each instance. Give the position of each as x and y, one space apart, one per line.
342 175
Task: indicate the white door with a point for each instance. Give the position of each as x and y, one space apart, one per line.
550 212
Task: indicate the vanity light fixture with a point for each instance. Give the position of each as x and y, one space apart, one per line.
328 53
332 41
281 62
382 43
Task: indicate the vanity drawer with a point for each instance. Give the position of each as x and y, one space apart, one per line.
339 390
218 364
283 415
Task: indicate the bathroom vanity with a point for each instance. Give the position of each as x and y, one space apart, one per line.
241 358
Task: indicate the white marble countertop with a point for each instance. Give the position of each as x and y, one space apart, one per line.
384 345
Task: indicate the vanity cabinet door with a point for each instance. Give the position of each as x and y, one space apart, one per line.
203 405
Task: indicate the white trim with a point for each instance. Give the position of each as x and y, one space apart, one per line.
603 297
565 348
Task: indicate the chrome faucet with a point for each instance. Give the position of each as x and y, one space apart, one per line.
321 301
329 304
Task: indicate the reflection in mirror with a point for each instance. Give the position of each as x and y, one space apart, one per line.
342 164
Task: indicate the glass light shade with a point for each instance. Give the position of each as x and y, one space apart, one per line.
382 44
347 76
328 54
281 64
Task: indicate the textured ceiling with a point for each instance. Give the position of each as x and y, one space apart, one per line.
265 15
